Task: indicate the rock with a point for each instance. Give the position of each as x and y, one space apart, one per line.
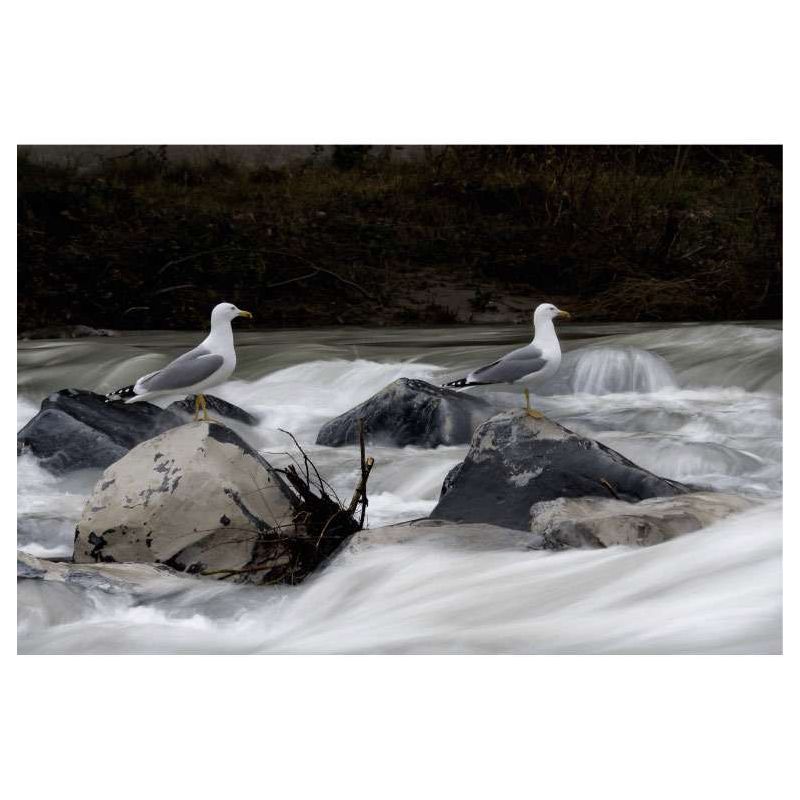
78 429
409 412
199 499
65 332
111 578
474 536
603 522
516 461
216 407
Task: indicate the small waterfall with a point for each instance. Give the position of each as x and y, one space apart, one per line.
611 370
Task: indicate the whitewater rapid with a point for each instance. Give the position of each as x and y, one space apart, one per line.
700 404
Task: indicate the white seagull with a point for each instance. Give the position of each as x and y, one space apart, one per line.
528 366
210 363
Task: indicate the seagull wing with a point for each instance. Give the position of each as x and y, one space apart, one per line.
511 367
191 368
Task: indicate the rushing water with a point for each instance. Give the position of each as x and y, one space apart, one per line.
700 403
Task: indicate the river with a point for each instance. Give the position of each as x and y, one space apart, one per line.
699 403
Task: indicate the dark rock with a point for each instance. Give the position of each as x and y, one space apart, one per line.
216 407
516 461
409 412
78 429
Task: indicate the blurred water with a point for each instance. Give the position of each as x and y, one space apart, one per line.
699 403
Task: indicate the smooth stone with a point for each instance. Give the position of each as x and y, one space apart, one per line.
603 522
111 578
470 536
201 500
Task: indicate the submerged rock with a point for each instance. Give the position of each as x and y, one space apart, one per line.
78 429
469 536
201 500
516 461
603 522
65 332
105 577
409 412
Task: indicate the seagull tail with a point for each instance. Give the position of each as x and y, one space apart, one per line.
124 393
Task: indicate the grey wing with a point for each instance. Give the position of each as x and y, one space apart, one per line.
511 367
191 368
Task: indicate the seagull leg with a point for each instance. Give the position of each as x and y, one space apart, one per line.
205 409
197 407
531 412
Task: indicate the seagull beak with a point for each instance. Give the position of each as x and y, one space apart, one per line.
245 314
564 315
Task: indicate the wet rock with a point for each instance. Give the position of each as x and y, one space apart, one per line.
111 578
515 462
199 499
470 536
409 412
216 408
78 429
602 522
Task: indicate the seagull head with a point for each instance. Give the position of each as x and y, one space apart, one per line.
547 311
225 312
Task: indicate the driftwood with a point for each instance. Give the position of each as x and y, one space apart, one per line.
320 525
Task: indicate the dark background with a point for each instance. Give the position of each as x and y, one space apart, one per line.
153 236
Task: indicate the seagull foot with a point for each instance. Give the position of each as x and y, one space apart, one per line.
531 412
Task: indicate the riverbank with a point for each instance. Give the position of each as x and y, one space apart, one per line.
458 235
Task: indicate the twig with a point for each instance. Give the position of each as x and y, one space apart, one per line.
607 485
366 467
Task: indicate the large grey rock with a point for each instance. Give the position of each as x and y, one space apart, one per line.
516 461
409 412
201 500
78 429
603 522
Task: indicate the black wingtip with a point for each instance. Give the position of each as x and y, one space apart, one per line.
120 394
461 383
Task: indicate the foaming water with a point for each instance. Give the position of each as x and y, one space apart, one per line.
714 591
660 397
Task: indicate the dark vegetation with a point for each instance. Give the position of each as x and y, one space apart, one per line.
612 232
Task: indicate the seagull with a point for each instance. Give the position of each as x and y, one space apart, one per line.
210 363
530 365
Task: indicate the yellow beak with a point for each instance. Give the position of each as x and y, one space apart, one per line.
245 314
564 315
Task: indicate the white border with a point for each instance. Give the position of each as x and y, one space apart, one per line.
237 73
